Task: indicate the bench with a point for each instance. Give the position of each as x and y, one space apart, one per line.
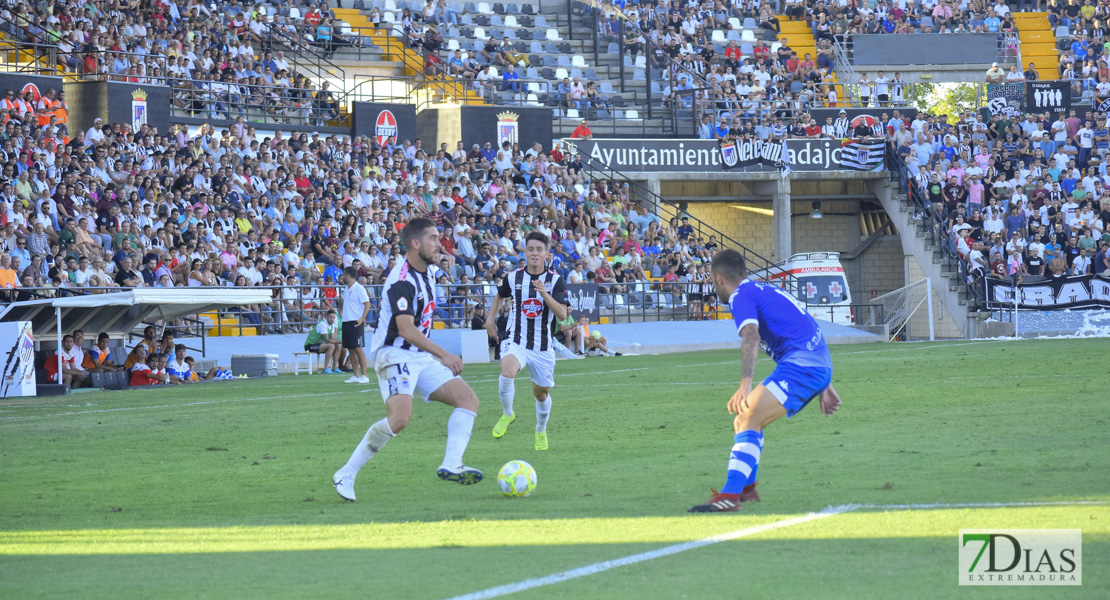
311 360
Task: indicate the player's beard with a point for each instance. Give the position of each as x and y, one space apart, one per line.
426 256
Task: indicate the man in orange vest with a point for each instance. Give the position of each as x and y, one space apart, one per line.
46 107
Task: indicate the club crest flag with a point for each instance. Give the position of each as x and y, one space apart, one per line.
138 109
508 128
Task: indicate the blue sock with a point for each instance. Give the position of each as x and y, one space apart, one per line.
744 462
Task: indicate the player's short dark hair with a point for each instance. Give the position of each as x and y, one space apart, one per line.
537 236
730 264
351 272
414 228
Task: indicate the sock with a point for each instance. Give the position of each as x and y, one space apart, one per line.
459 426
744 461
376 437
752 478
506 389
543 411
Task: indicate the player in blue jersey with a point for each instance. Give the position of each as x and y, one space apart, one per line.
766 316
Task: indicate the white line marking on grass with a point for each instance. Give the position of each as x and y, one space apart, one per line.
528 584
595 568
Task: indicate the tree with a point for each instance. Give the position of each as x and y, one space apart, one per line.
918 94
952 99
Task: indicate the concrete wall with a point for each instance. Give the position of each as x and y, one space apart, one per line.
880 269
943 324
750 229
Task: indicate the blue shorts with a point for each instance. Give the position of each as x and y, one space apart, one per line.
794 386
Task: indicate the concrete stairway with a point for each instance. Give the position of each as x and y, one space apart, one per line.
948 291
1038 43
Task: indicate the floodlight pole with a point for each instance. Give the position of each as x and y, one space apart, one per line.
929 306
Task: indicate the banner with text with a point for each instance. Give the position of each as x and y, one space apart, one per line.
1084 291
1006 99
705 156
582 298
1047 96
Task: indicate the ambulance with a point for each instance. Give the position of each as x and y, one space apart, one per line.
816 283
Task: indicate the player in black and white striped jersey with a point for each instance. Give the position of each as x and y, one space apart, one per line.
408 364
538 299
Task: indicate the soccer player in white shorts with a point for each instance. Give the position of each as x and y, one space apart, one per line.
408 364
538 298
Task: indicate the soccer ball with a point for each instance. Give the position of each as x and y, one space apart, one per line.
516 479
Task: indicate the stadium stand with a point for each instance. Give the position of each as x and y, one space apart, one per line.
107 207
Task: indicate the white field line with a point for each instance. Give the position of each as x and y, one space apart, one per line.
108 410
528 584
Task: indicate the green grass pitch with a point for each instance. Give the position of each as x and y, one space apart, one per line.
223 490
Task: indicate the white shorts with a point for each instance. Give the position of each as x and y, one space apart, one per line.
408 372
540 363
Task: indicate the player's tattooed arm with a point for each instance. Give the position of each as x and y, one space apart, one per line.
749 352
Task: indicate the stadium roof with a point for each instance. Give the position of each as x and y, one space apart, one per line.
118 313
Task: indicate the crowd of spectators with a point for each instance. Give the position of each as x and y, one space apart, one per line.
1025 197
220 63
114 208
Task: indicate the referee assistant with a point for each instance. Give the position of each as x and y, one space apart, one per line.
356 305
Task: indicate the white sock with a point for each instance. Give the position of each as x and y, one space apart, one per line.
376 437
506 389
459 426
543 412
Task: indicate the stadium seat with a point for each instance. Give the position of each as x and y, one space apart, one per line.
535 47
532 73
565 48
477 45
483 8
576 72
749 23
578 61
512 9
533 99
733 35
602 115
541 22
510 21
747 49
638 75
495 20
470 8
553 35
591 74
466 32
550 48
390 6
495 33
521 47
618 101
499 8
480 34
467 20
1063 31
549 60
561 74
572 113
388 17
734 23
294 13
403 4
641 62
631 114
525 21
452 45
604 87
747 36
717 36
527 9
613 48
548 73
493 72
563 60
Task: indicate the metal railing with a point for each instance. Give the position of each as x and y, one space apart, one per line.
667 210
935 230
